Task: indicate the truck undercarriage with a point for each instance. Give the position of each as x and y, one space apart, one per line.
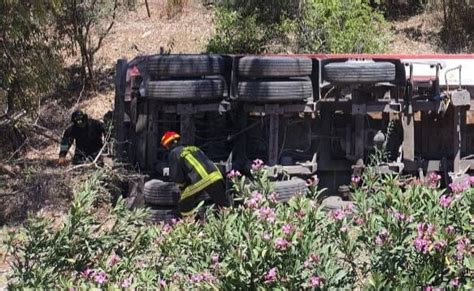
329 116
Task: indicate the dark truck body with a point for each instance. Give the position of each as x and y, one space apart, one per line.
305 115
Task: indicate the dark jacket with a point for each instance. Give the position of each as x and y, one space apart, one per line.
192 170
88 138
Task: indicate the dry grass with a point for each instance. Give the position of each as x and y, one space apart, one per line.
136 34
415 35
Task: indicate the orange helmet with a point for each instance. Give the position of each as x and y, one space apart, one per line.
169 137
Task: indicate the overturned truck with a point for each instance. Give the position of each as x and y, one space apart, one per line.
304 115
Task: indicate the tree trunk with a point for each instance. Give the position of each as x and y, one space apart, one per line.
90 70
10 102
11 97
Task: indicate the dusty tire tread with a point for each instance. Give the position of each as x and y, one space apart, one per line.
157 192
175 66
186 90
275 91
359 72
268 67
162 215
287 189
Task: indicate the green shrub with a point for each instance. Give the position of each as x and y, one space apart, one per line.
416 236
235 33
342 27
323 26
50 257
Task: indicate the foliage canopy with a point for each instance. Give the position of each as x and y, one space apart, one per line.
337 26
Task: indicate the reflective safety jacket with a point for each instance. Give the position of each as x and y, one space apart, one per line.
192 169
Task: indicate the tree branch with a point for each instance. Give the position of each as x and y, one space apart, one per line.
103 35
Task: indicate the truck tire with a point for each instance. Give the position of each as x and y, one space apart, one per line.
287 189
157 192
158 215
359 72
334 203
268 67
185 66
186 90
274 91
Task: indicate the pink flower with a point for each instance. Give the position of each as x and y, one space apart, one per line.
257 164
300 214
421 245
166 228
233 174
196 278
382 237
87 272
266 213
461 247
266 236
399 216
215 259
312 259
281 244
273 197
460 186
251 203
257 196
454 282
471 180
445 201
355 180
431 229
126 283
439 245
208 277
433 179
177 276
288 228
100 277
114 260
163 283
449 229
271 275
423 241
314 281
312 181
359 221
337 214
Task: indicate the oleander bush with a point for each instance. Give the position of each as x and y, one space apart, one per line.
393 235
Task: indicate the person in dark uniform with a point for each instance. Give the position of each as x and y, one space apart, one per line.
87 133
200 180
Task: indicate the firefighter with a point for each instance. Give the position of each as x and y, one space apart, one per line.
87 133
200 180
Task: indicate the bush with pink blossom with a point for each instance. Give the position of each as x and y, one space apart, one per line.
391 236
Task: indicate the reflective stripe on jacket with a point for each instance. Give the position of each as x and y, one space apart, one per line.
191 167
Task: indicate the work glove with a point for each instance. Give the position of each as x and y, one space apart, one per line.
62 161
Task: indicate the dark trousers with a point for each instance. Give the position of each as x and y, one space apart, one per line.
212 194
82 158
